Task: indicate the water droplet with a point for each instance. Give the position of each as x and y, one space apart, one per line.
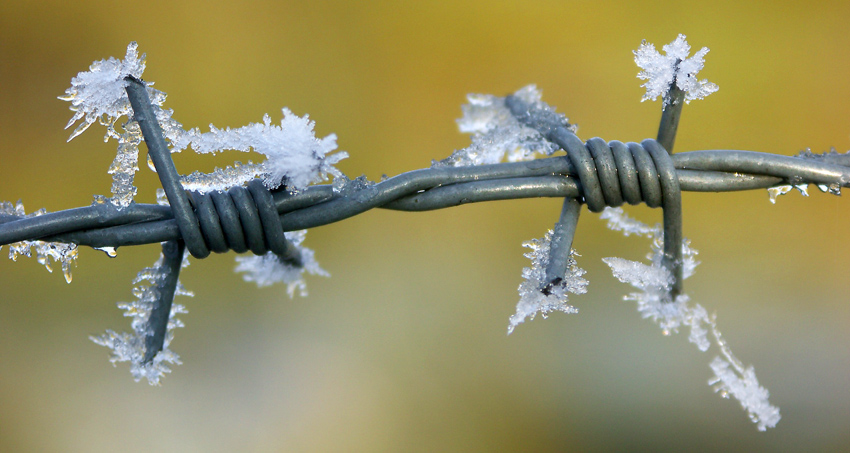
823 188
803 188
835 189
67 273
150 164
110 251
774 192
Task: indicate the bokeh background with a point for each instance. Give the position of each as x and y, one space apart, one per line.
404 347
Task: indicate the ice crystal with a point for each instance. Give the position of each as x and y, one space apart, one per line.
653 301
269 269
742 384
353 187
130 347
661 71
125 165
295 156
99 93
57 252
496 133
536 295
221 179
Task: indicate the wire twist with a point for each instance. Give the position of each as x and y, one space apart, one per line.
610 174
242 219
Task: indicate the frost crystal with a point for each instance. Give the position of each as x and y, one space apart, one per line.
58 252
130 347
660 71
536 295
743 385
98 94
295 156
653 302
268 269
221 179
496 133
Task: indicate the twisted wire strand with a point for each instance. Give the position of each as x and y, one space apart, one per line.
252 218
103 225
428 189
595 173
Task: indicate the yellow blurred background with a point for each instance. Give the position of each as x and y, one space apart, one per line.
404 347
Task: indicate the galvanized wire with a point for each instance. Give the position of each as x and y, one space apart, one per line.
594 173
422 190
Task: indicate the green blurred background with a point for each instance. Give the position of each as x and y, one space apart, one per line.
404 347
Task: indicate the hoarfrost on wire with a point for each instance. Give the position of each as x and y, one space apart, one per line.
532 297
295 156
661 71
269 269
220 179
496 133
654 302
99 93
58 252
130 347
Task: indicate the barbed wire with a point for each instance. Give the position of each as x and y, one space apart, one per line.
595 173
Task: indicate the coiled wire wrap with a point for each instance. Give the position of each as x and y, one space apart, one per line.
609 175
242 219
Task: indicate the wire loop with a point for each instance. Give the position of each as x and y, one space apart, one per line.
611 173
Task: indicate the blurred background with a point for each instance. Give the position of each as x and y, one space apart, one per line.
404 347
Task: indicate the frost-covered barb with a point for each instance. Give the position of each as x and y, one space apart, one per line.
269 269
98 94
654 302
58 252
131 347
536 294
661 71
294 156
497 134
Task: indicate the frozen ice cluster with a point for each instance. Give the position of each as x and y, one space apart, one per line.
57 252
496 133
536 294
130 347
270 269
661 71
653 282
294 156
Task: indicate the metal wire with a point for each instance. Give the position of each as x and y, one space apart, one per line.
594 173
